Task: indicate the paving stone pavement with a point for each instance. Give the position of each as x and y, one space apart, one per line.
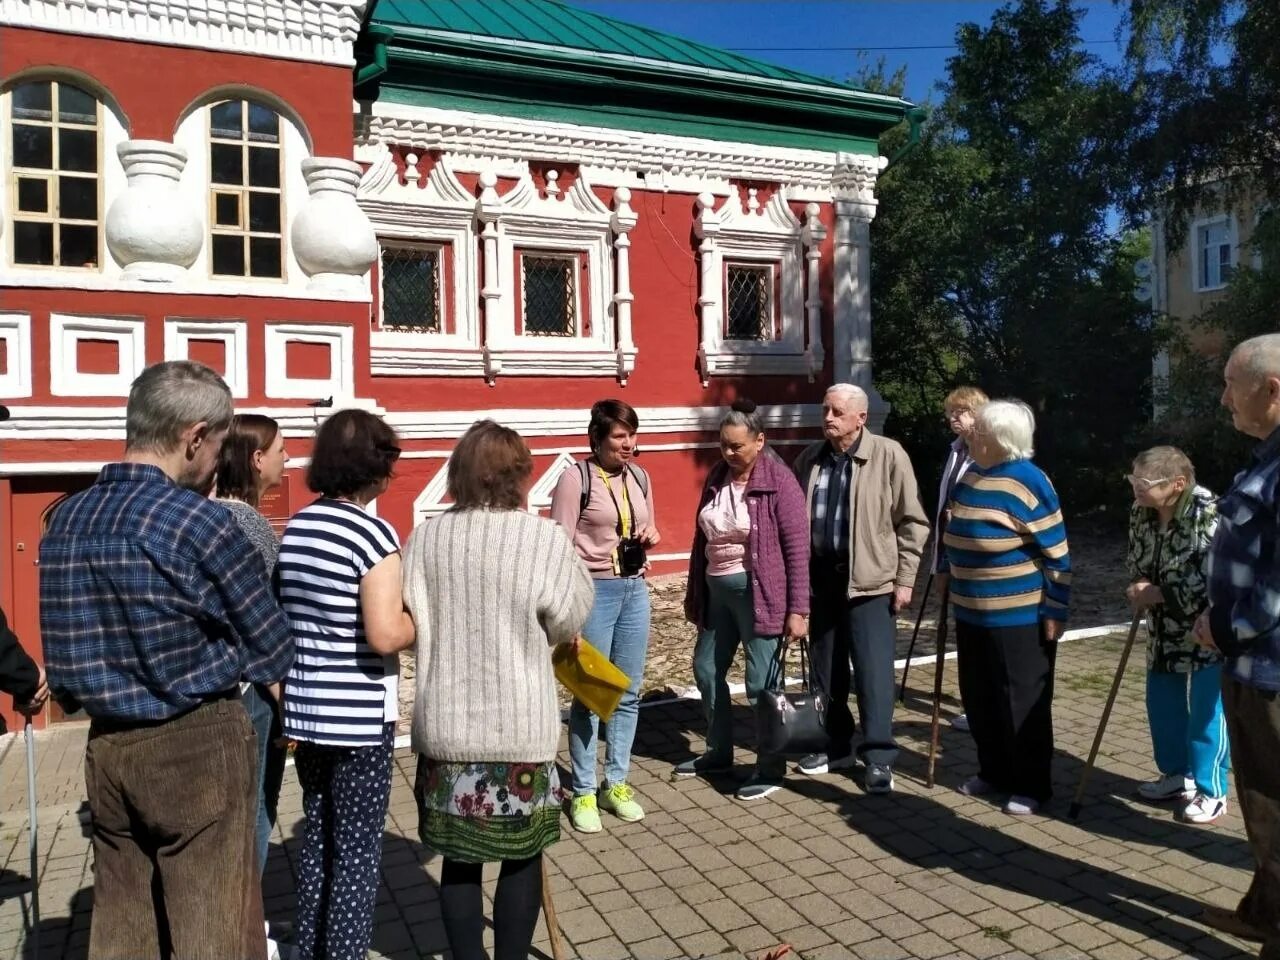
821 866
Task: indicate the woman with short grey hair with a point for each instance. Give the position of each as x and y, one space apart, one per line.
1005 549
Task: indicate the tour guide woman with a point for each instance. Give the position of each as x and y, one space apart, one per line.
1006 553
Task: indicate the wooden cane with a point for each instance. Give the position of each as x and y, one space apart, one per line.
911 647
549 913
1106 715
939 661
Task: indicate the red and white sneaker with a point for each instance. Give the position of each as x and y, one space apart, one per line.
1204 809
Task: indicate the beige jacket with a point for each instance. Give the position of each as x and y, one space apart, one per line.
890 527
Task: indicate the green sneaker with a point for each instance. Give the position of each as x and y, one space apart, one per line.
583 814
620 799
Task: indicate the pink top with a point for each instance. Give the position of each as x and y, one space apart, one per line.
726 524
595 533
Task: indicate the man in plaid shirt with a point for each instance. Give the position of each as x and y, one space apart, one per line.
153 608
1243 622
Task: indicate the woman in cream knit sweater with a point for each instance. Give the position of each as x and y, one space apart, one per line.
491 589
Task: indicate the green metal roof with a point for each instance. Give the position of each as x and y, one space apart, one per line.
558 24
549 60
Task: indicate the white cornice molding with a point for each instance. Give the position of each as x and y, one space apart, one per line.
642 161
107 423
321 31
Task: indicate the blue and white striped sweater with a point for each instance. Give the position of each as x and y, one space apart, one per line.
1006 547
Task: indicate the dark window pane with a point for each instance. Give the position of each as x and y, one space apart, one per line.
264 125
264 257
33 101
33 195
78 198
225 119
264 167
548 296
78 150
76 106
78 246
228 256
410 293
33 243
32 146
227 163
226 208
750 317
264 212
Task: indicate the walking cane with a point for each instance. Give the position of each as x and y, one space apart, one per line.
911 648
549 913
35 866
939 661
1106 715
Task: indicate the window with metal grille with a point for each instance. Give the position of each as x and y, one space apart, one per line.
53 184
244 190
411 288
550 295
749 303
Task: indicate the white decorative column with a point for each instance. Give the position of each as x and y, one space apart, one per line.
332 239
813 235
707 227
854 188
488 212
152 229
623 221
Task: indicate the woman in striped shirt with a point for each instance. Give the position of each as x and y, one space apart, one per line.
340 587
1010 581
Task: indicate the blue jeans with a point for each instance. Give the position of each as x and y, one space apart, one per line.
618 626
1189 733
264 715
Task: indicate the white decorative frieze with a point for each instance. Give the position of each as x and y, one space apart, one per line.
153 230
15 335
332 239
317 30
181 332
125 338
545 487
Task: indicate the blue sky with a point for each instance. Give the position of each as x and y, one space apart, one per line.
814 35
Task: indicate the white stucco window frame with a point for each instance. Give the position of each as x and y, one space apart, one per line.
572 222
66 330
233 334
750 236
441 213
1197 229
340 384
15 332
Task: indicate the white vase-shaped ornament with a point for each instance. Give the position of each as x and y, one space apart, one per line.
333 241
152 229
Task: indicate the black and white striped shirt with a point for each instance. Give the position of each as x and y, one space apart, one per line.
339 691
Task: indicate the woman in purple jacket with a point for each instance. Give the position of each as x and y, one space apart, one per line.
748 585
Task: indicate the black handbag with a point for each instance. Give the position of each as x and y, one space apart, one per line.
791 723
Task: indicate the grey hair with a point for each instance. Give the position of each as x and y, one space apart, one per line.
1009 424
167 398
751 419
1259 356
851 390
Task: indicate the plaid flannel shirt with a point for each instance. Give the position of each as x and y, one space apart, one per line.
152 600
1244 571
833 468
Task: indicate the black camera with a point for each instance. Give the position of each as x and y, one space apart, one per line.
631 556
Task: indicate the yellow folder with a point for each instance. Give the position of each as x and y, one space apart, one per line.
590 677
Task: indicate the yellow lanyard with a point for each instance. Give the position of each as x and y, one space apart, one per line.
624 519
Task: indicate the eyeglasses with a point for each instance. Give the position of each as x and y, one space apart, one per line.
1144 484
956 414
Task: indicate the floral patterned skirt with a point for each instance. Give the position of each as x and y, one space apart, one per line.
486 812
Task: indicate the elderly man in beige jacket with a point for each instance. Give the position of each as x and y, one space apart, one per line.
867 533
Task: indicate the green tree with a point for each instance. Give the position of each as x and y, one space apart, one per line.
995 259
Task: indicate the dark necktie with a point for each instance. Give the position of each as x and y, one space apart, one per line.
834 489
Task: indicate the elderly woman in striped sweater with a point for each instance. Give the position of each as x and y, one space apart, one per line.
1005 549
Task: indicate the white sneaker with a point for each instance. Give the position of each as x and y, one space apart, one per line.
1204 809
961 722
1174 786
1017 806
